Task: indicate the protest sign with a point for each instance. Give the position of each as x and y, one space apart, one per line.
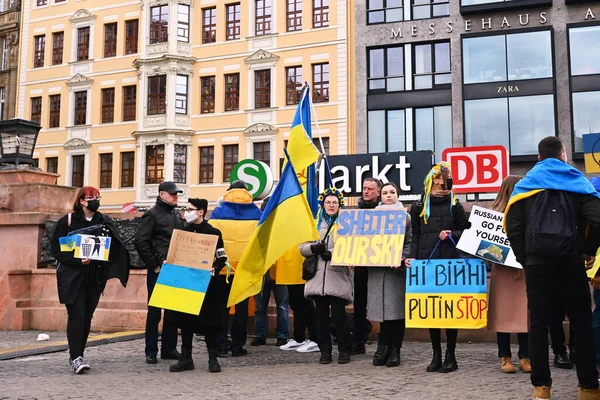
372 238
92 247
486 238
183 280
446 294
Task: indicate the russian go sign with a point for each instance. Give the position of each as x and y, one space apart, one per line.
478 169
257 175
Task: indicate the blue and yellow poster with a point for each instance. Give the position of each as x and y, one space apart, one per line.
591 151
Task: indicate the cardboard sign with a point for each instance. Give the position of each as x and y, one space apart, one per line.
371 238
486 238
446 294
193 250
92 247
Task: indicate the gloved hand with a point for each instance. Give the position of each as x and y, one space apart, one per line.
326 256
318 248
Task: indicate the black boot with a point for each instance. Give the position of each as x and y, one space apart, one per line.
325 357
344 357
378 351
436 362
394 359
383 356
213 362
186 363
572 355
450 363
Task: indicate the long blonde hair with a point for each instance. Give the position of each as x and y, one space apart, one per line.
506 189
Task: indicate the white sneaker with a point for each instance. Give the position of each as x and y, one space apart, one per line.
78 365
308 347
291 345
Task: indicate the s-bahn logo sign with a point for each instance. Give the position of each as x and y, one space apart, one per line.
257 175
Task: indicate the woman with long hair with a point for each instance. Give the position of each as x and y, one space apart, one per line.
81 281
507 299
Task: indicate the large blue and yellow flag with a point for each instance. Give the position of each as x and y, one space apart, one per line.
180 288
302 152
286 222
591 152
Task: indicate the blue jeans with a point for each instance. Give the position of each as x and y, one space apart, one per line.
596 324
280 292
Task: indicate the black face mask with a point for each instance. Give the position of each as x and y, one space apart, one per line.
93 205
449 184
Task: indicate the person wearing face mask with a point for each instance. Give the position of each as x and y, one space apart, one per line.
81 281
387 291
332 287
435 218
152 241
208 322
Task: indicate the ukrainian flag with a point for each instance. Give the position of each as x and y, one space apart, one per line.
67 243
591 152
180 288
286 222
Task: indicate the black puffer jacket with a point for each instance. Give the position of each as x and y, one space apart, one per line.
154 234
426 235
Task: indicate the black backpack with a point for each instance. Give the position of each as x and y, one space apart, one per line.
552 226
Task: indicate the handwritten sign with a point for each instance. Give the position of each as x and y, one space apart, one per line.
446 294
486 238
372 238
92 247
193 250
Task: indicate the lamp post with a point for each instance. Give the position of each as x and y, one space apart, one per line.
17 142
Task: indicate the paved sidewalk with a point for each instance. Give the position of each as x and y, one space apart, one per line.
119 372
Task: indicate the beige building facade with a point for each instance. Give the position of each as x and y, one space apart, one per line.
132 93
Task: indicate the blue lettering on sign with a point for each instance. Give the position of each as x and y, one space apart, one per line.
371 222
447 276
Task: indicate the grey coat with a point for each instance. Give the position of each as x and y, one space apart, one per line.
387 286
328 281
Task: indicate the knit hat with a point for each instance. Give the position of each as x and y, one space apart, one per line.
438 169
239 184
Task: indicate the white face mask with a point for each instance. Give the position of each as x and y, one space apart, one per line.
190 216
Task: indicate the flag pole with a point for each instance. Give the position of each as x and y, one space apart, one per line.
324 158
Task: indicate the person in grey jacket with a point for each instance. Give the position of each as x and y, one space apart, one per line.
387 289
331 287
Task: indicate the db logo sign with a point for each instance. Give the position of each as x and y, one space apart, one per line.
257 175
479 169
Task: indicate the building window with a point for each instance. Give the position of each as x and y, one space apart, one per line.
230 158
83 43
155 164
131 36
511 57
54 119
262 88
207 159
584 48
317 144
431 65
80 108
320 83
232 92
294 15
157 94
77 170
422 9
106 161
386 69
36 110
58 39
207 87
262 152
52 165
384 11
433 129
42 3
209 25
263 17
159 24
320 13
4 54
586 116
183 23
386 131
2 103
181 94
517 123
293 85
232 30
108 105
127 168
40 46
110 40
129 102
179 163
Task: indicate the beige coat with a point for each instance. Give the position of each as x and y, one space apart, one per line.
507 300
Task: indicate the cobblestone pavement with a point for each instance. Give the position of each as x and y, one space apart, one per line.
119 372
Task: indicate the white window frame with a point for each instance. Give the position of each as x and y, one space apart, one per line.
4 54
179 97
74 38
183 28
2 101
86 165
88 115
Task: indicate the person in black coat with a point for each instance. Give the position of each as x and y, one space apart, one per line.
435 218
81 281
152 242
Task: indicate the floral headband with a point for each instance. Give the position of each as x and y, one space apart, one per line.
332 191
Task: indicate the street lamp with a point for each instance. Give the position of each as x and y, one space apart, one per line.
17 141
